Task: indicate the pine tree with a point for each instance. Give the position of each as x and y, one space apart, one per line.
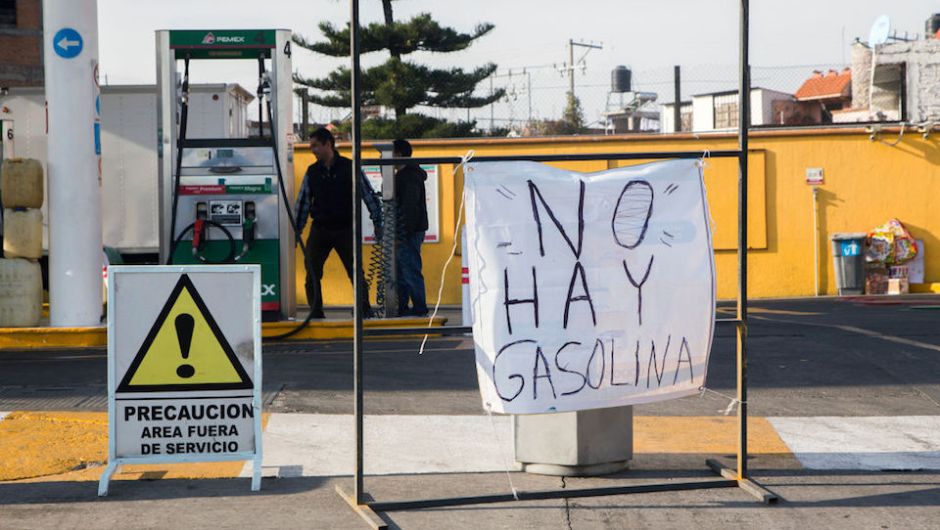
399 83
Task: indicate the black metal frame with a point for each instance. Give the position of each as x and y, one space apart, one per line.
731 477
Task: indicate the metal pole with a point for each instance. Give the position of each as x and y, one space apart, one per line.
528 82
571 67
357 238
815 241
677 111
744 97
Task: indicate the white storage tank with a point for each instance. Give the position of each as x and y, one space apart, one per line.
20 293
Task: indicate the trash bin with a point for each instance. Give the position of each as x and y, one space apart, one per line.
848 257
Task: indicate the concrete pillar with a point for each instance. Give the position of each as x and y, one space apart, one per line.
575 444
70 40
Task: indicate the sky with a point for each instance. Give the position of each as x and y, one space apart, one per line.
649 37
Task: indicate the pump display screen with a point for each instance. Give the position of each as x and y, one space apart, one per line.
226 212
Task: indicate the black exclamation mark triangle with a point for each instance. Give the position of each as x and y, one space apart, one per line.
184 324
184 334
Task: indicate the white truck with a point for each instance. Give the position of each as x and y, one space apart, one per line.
129 187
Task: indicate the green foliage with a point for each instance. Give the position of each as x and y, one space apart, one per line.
421 33
573 115
403 85
398 83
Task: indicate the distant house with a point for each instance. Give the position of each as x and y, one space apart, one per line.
718 111
903 86
817 99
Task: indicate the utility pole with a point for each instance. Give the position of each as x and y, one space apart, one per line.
571 64
677 110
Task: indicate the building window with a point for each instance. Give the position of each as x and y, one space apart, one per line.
887 92
7 13
726 115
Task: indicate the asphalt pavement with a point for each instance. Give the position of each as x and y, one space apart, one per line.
850 388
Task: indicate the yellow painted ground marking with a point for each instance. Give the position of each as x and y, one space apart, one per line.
703 435
73 446
34 444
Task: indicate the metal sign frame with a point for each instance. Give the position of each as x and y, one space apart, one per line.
113 377
731 478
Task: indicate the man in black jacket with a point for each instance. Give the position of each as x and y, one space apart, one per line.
326 196
413 223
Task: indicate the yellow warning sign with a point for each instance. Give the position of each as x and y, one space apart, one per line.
185 350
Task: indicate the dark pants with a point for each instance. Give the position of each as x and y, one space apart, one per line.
319 244
410 279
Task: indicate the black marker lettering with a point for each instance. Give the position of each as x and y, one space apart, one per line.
579 271
684 347
533 192
639 287
539 356
597 344
567 371
514 301
512 376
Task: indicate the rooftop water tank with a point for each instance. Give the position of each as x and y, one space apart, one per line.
932 26
620 79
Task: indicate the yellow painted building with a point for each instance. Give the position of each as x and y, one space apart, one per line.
868 180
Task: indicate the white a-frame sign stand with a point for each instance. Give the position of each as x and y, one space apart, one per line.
184 366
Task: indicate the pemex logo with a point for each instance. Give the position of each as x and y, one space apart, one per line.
209 38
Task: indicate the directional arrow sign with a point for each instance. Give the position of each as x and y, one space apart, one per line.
67 43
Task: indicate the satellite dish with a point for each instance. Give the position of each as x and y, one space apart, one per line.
879 31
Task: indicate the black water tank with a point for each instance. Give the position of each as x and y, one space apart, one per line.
932 26
620 79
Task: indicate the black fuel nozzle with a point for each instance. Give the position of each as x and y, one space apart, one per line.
249 226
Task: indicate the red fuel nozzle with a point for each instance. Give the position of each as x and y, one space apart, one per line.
199 232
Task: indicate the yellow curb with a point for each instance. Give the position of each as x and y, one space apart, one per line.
703 435
925 287
73 446
342 329
763 310
91 337
46 338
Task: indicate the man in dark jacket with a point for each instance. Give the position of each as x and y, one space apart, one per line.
413 223
326 196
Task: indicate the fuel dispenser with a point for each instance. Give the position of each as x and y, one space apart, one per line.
226 200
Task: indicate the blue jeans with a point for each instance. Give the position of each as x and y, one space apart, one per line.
410 279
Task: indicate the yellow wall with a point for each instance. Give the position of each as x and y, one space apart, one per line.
866 183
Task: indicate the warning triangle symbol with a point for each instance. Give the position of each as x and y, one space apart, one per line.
185 350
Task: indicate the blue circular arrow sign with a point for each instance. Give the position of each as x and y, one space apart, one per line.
67 43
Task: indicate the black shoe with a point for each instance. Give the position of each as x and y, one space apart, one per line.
317 315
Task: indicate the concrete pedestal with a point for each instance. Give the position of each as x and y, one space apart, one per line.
573 444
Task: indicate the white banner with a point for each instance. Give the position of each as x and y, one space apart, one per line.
589 290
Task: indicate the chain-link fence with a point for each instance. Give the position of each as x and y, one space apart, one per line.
537 96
